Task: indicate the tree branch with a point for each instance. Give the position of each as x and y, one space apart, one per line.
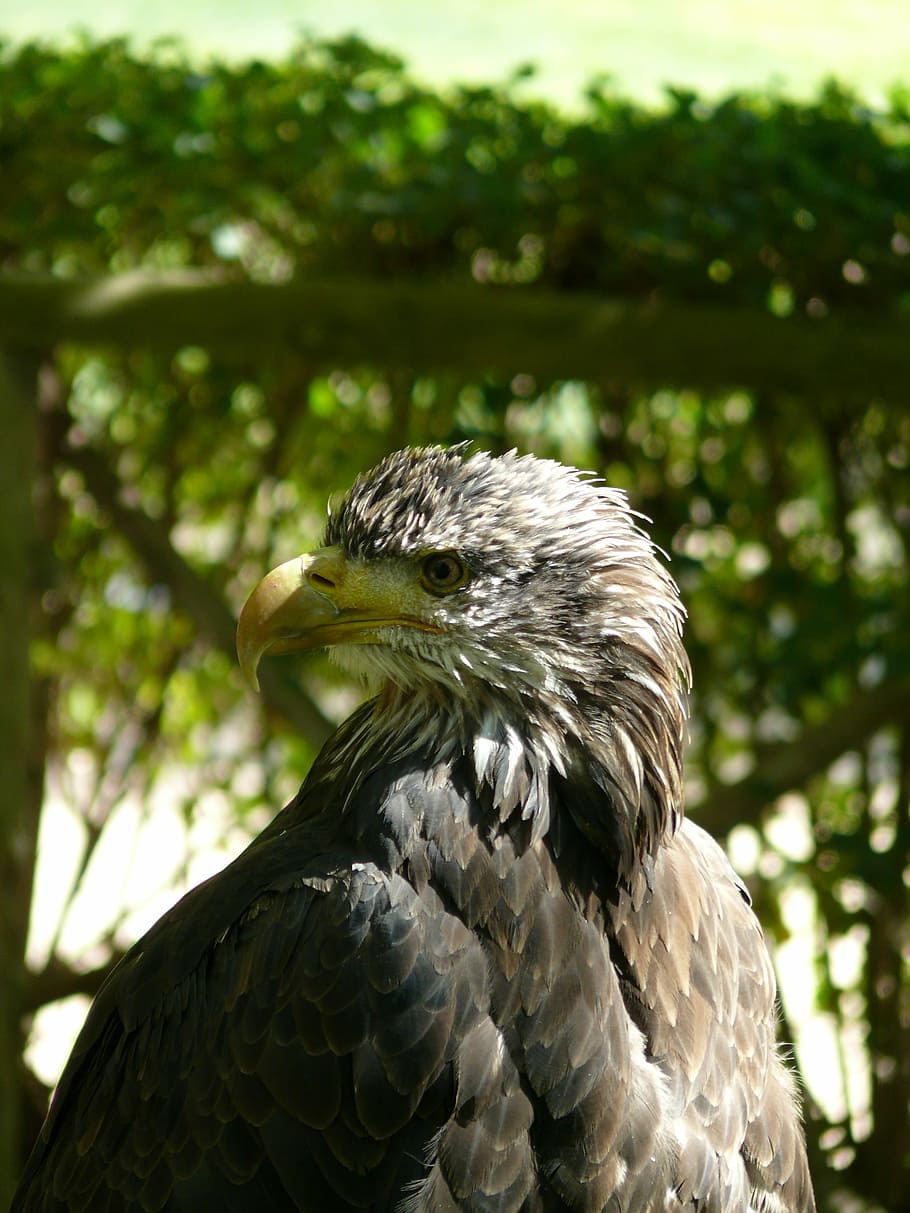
210 616
58 980
782 766
432 326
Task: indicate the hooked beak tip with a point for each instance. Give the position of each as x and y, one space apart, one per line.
286 610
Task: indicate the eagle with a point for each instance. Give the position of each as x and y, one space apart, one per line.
481 962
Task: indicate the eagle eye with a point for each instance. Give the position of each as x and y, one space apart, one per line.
443 573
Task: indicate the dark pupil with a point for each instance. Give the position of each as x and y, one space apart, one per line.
444 570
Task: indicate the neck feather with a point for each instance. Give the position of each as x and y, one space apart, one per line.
612 766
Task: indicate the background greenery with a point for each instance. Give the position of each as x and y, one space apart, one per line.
167 474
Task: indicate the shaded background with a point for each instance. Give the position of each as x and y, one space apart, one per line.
229 285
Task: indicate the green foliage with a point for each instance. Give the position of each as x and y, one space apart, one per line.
170 483
334 161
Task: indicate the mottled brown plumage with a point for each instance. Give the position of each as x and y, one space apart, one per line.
480 962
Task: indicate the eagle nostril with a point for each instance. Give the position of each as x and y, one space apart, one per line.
318 582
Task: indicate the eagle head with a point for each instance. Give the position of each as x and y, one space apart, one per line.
512 607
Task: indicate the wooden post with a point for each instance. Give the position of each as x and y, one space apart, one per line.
18 416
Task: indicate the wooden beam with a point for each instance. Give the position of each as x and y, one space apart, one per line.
474 330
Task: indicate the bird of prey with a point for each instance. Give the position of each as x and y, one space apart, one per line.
480 962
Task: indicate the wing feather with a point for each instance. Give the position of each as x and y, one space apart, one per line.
342 1037
701 988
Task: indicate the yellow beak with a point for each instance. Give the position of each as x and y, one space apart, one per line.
317 600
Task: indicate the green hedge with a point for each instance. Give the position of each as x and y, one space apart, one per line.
334 160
